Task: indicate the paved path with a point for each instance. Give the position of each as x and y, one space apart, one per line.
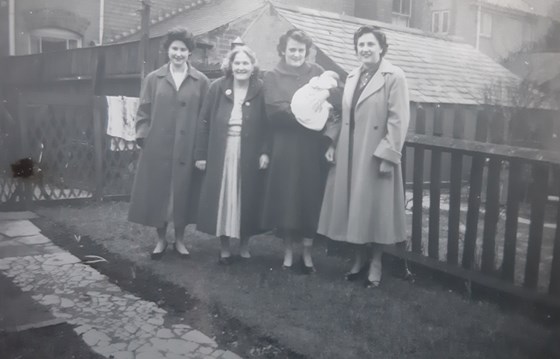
114 323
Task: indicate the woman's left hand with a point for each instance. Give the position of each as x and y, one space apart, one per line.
329 155
263 162
386 167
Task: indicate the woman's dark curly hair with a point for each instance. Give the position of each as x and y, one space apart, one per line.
379 35
179 34
296 35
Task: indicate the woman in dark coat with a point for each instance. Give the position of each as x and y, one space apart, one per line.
232 148
170 101
297 170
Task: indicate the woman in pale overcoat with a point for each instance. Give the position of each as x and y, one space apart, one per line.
232 147
364 197
164 186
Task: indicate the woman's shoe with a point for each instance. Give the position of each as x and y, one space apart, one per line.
351 277
181 254
308 270
157 255
225 261
371 284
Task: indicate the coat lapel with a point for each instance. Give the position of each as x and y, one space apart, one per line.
376 82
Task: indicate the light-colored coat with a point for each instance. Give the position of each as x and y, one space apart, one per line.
371 207
167 121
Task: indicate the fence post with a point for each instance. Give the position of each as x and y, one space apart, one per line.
98 147
24 188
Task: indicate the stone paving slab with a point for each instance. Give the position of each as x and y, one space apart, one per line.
17 216
18 228
113 323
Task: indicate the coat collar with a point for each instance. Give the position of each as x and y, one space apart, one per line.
164 72
226 87
376 82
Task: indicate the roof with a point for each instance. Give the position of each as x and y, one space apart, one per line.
212 15
543 8
122 17
438 69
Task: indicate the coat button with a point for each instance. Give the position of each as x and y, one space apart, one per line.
182 162
182 132
375 127
183 103
247 103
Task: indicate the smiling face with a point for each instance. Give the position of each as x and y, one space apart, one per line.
368 49
242 67
295 53
178 53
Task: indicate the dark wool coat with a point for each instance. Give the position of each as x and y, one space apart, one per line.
211 146
297 169
369 208
167 121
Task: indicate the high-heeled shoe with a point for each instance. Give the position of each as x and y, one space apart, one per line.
225 261
307 269
351 277
369 284
181 254
158 255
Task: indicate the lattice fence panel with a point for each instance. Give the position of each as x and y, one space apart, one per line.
60 140
119 166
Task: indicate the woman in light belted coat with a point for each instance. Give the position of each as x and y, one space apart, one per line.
165 186
364 197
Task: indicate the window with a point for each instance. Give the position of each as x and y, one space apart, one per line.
401 12
50 39
440 22
486 25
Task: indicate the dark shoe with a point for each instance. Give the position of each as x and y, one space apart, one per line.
352 277
308 270
181 255
157 255
225 261
371 284
284 267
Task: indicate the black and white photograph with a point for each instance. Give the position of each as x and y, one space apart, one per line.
280 179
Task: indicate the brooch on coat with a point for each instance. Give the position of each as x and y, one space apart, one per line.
228 92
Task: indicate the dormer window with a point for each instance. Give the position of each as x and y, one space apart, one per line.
51 39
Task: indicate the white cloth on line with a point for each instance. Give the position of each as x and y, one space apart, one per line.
121 117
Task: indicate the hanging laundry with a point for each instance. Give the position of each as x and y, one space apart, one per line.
121 117
121 122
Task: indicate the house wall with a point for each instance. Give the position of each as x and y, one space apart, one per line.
511 31
77 15
4 29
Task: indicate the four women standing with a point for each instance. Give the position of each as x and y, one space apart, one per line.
244 121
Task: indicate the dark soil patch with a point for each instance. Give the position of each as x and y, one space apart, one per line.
229 332
55 342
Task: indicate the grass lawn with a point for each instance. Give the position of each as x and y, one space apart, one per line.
321 316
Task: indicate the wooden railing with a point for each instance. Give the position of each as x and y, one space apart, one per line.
523 261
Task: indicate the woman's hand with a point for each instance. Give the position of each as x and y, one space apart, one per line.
263 162
386 167
329 155
200 164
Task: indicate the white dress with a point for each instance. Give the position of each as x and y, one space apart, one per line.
229 205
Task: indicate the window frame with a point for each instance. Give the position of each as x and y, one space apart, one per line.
440 23
52 33
400 15
486 15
